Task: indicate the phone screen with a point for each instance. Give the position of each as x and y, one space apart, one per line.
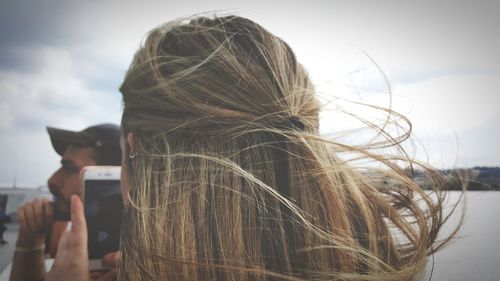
103 212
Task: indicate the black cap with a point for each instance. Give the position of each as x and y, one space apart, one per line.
104 138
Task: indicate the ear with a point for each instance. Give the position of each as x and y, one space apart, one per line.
131 144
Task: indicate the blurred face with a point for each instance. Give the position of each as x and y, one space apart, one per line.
66 181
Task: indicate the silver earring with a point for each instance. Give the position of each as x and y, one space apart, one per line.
132 156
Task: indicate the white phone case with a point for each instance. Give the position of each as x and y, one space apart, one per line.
111 173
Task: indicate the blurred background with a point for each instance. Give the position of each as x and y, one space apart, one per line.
436 62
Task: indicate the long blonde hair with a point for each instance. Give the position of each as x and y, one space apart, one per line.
233 182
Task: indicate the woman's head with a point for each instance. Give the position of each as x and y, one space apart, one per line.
213 75
231 180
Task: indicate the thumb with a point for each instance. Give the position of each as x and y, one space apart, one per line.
78 223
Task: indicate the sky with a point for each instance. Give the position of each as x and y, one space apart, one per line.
61 63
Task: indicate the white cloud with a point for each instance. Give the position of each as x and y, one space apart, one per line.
451 103
58 95
448 112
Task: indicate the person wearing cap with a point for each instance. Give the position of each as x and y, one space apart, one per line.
43 221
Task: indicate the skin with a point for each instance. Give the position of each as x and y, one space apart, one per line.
67 181
71 262
36 216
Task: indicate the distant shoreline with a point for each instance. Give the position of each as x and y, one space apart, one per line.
479 179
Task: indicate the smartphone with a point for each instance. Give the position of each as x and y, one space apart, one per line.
103 205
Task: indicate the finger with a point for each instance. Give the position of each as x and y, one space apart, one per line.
39 218
30 218
78 223
111 259
110 276
62 248
21 215
48 209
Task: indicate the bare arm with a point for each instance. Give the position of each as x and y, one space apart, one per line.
29 259
28 263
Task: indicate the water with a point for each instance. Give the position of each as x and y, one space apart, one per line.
475 254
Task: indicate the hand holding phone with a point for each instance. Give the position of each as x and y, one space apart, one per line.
103 206
71 262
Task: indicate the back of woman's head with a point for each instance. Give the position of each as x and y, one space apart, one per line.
231 180
212 74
